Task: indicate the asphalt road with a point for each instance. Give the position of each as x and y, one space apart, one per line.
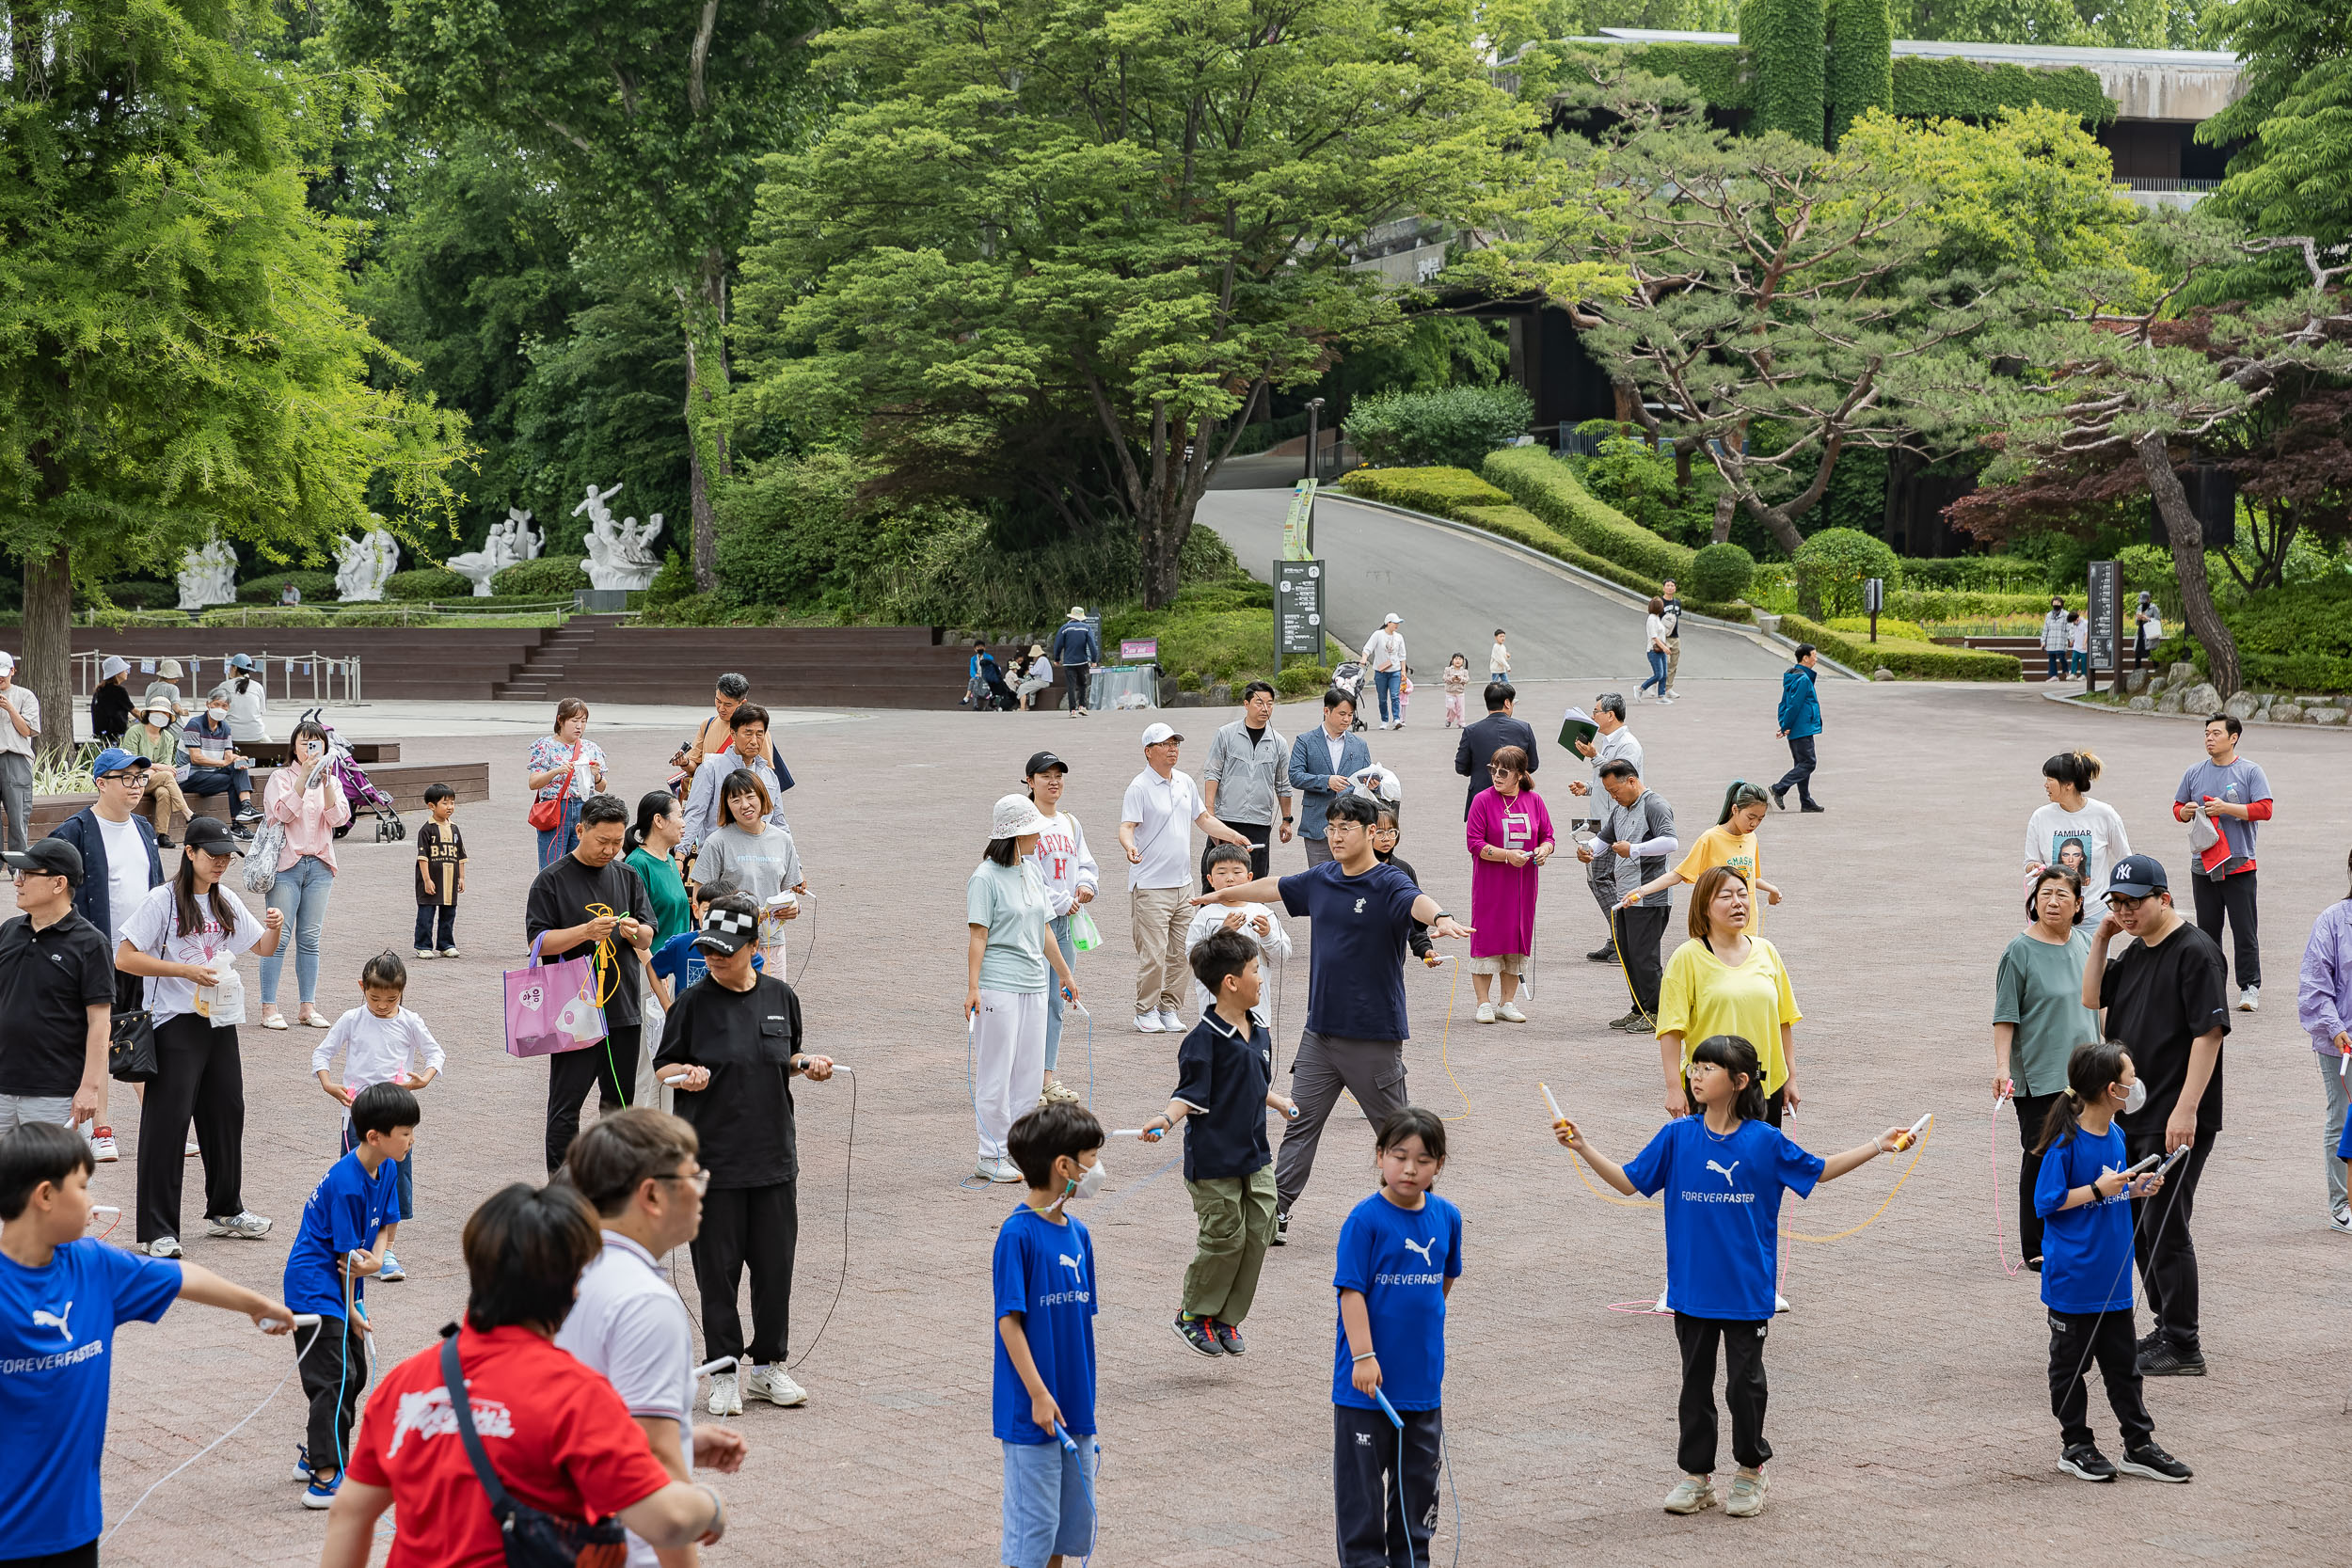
1454 590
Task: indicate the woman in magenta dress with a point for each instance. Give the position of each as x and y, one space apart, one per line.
1509 834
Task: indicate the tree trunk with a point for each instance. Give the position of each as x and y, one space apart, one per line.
48 663
707 377
1727 507
2187 537
1161 530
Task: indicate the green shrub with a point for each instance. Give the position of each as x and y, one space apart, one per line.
1721 573
277 615
143 595
380 615
550 577
2296 638
1300 680
426 582
1831 565
1982 574
314 585
1453 425
1859 626
1442 491
1930 605
673 584
1627 473
1924 661
1546 487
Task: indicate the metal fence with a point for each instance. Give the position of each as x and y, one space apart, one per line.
313 676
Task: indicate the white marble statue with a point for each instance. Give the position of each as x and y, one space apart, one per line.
509 542
365 565
208 576
620 553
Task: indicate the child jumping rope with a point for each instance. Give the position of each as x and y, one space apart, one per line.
1723 1173
2083 1196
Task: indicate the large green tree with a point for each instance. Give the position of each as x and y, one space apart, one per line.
2295 119
646 118
1063 246
177 354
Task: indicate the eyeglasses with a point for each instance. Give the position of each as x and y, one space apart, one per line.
699 1180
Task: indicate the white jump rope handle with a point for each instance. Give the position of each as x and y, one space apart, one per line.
1913 1136
301 1319
1556 1115
724 1364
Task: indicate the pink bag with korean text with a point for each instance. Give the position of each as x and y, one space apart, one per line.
552 1007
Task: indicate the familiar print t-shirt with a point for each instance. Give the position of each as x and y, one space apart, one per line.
154 928
344 1214
1356 979
440 849
1398 1260
2039 988
2158 1000
57 1362
1224 1075
1010 901
1723 1211
1044 1270
2086 1251
1720 845
1702 996
1163 811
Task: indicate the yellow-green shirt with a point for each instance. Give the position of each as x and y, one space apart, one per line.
160 747
1702 996
1720 845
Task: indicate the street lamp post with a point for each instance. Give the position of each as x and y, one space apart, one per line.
1314 454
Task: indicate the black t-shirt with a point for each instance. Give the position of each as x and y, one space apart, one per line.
747 1039
1224 1078
2158 1000
560 896
48 980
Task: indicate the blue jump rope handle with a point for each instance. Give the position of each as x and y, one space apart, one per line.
1388 1410
1067 1441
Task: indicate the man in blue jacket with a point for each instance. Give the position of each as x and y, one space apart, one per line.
1800 720
1324 763
1078 651
114 884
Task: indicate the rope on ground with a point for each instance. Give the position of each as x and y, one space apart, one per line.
1445 1039
2000 1243
1854 1230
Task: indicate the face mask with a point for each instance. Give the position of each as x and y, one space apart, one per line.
2134 1098
217 715
1089 1181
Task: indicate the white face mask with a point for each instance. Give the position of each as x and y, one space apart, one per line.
2134 1096
1089 1181
217 715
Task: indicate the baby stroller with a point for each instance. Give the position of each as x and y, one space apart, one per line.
353 781
987 692
1349 677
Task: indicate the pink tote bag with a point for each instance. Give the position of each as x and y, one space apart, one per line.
552 1007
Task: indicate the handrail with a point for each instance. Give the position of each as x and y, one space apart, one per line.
324 670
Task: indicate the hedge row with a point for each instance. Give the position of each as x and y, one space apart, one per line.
1947 604
1548 488
1924 661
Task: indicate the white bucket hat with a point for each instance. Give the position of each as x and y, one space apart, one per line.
1015 815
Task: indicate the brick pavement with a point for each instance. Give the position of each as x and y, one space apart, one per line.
1909 1408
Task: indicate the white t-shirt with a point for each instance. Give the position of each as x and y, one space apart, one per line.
629 1324
2049 830
378 1050
1273 948
2079 633
126 873
1163 811
152 931
1064 863
1656 632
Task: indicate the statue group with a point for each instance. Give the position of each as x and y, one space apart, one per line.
365 565
511 541
620 554
208 575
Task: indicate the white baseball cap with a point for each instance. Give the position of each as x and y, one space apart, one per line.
8 664
1159 732
1016 814
1394 620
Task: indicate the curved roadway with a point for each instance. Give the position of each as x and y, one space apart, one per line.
1454 589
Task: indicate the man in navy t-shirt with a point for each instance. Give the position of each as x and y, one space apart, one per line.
60 1299
1363 912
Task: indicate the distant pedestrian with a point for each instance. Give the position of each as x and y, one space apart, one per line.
2233 796
246 692
2324 1006
1510 837
1614 742
110 706
19 728
1077 650
1475 752
1799 724
1156 819
306 801
1672 618
1655 649
156 737
2147 627
1498 660
565 767
1323 764
2078 639
2057 639
1384 656
1636 839
1066 865
165 688
440 874
1011 960
1037 673
215 766
1248 777
1456 689
2073 831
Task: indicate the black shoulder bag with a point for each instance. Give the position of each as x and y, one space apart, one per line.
531 1539
131 1036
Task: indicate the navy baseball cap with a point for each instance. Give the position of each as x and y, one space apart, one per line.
113 759
2137 876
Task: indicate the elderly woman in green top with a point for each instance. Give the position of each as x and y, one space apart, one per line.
2038 1020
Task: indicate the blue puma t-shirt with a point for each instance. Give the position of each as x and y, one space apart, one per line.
1399 1260
1046 1272
1723 1211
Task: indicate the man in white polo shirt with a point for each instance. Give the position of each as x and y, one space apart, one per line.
638 1169
1155 829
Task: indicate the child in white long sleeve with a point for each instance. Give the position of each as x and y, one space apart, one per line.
1229 866
380 1042
1066 867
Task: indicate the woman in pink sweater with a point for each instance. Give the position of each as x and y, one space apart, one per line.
1509 835
304 801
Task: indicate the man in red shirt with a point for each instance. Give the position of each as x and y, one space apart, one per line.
559 1438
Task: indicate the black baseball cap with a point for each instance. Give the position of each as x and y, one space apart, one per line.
724 930
211 835
49 857
2137 876
1040 761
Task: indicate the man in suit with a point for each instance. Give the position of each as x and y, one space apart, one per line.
1482 740
1322 764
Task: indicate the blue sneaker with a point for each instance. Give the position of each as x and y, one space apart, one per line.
391 1269
321 1494
302 1462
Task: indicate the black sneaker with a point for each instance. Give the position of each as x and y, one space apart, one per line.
2086 1461
1604 954
1780 799
1281 1236
1813 805
2148 1341
1194 1331
2167 1359
1228 1337
1631 1021
2034 1262
246 814
2154 1462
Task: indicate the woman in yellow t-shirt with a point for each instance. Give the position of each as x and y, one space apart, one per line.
1725 981
1730 842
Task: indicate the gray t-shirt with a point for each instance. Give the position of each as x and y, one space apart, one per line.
1009 900
761 867
1648 818
630 1326
2241 783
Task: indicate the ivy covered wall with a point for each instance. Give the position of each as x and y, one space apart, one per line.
1789 42
1927 89
1861 73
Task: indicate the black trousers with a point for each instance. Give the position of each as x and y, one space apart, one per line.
1799 774
1261 837
83 1556
1640 931
2160 1238
2078 1339
1076 676
430 915
609 1068
333 1359
2233 897
2031 1110
1386 1508
202 1082
754 1228
1743 1390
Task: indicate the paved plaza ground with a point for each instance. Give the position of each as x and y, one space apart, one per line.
1909 1406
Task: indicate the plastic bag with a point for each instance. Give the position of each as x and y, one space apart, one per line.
1084 935
222 1002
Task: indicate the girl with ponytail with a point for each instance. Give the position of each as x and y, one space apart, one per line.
1732 842
2075 831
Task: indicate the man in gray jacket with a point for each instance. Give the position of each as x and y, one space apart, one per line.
1247 776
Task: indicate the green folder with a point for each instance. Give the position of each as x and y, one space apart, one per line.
1576 729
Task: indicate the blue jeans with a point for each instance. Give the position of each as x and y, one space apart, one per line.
2060 658
1657 674
562 839
235 783
1496 677
1389 683
1049 1500
1054 1003
300 895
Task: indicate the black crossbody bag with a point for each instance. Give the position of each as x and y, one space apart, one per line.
531 1539
131 1036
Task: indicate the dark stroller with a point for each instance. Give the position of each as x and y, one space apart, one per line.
353 781
988 691
1349 677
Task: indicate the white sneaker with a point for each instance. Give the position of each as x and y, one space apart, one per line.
191 1151
1509 1012
245 1225
426 953
726 1398
1005 1172
163 1246
101 1146
773 1384
1149 1023
1485 1013
1170 1022
1780 1303
1662 1301
2340 1220
451 953
2249 999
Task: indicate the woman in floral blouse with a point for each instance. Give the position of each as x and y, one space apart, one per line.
566 766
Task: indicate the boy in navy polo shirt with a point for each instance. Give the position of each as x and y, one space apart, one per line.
1224 1083
1045 1304
61 1297
1363 911
346 1226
